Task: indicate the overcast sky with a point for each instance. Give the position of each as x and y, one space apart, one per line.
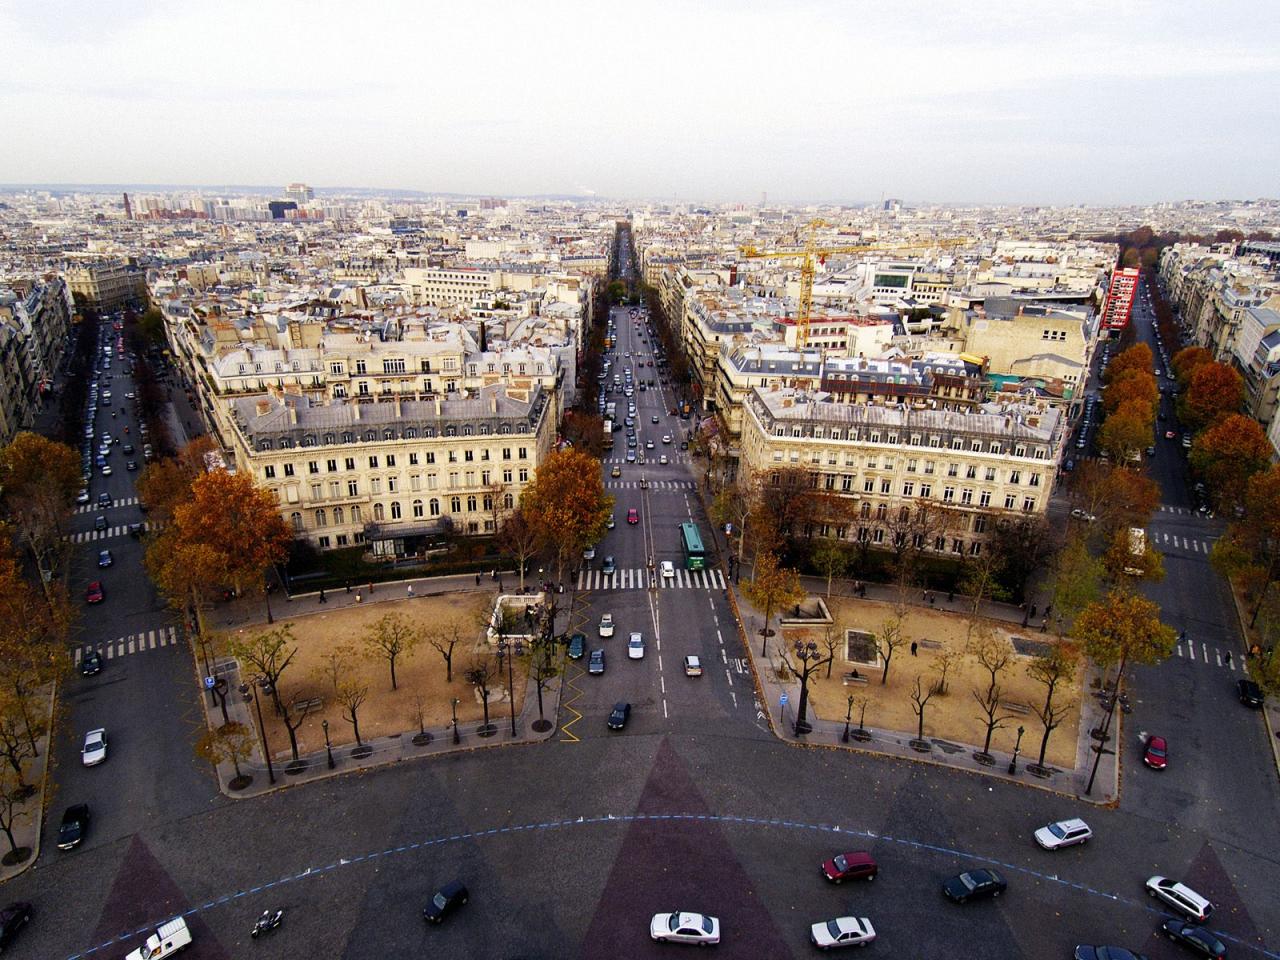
1019 101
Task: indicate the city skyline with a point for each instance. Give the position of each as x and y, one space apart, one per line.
1043 104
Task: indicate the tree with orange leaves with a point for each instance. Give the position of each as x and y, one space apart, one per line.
1227 454
1213 392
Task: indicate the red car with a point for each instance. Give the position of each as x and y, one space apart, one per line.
633 515
858 865
94 593
1155 753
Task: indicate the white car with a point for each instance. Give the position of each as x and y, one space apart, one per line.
663 459
842 932
668 570
589 553
692 666
606 625
1064 833
635 646
94 750
1084 515
666 438
1181 897
684 928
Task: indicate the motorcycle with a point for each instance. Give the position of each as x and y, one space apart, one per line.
266 923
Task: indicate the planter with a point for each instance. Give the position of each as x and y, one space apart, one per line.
295 767
921 746
487 730
1044 773
240 782
541 726
421 739
986 759
862 736
362 751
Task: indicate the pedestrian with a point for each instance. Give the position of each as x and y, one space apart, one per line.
913 648
322 599
1033 611
371 588
1048 609
359 599
924 595
348 586
411 591
494 573
1044 624
931 598
951 596
477 579
1228 658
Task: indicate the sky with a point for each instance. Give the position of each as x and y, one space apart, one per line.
1019 101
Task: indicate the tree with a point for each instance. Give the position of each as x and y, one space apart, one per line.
733 505
830 560
1050 669
443 639
783 496
832 638
1227 454
334 664
1187 360
164 484
39 479
480 673
1123 628
1134 387
1214 391
13 807
1121 561
771 588
943 661
187 573
16 748
1076 580
268 654
1137 357
518 537
1126 432
351 695
391 637
911 531
980 579
1023 542
566 505
542 664
1129 498
230 743
920 697
1250 550
992 719
994 654
888 640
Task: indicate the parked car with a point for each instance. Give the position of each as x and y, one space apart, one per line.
1084 515
633 516
680 927
100 522
83 496
1155 752
1063 833
856 865
589 553
1199 940
12 919
1085 952
842 932
445 900
618 718
1181 897
1250 693
595 663
74 826
974 884
577 646
94 750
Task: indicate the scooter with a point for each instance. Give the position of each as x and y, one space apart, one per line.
266 923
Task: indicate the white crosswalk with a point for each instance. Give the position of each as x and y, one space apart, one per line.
88 536
1214 656
94 508
653 485
132 643
1181 511
639 578
1190 544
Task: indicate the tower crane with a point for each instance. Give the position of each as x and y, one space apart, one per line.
812 253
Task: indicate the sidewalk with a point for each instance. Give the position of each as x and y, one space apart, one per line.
28 820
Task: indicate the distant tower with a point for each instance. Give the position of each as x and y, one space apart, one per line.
1118 306
299 192
128 209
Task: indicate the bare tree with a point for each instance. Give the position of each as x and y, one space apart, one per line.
480 673
419 713
942 664
521 540
334 664
888 640
920 697
294 710
15 746
352 694
832 636
391 637
13 807
989 702
542 665
268 654
1051 669
443 639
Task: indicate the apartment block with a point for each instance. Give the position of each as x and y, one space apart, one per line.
107 285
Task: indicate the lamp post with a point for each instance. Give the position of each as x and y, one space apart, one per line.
456 739
1013 763
262 731
508 651
848 717
810 660
328 748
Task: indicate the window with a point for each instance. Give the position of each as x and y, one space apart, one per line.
971 472
886 486
966 496
864 511
1028 504
911 465
846 483
877 535
393 484
375 486
990 475
434 506
377 512
357 516
323 542
1034 480
391 459
395 509
507 476
868 485
296 520
316 491
957 546
413 459
948 494
269 471
1010 501
1015 476
953 469
320 519
353 488
455 504
928 466
339 516
909 489
524 475
926 489
984 498
288 469
471 503
361 367
829 482
979 523
1019 451
373 463
350 463
975 548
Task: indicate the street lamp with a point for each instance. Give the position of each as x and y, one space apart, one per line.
848 717
506 650
456 739
1013 764
262 730
328 749
809 657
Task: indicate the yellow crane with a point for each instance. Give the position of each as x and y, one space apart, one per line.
812 253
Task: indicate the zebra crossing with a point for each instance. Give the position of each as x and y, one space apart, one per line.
88 536
1190 544
126 645
653 485
1214 656
121 502
1180 511
640 578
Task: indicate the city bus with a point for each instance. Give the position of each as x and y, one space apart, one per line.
695 555
608 435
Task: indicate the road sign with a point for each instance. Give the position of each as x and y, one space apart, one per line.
209 682
783 699
728 529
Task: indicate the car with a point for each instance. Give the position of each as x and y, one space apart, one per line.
692 666
654 418
1063 833
668 570
91 664
1181 897
74 825
83 496
595 663
589 553
666 438
635 646
1151 451
681 927
1169 435
633 516
684 445
1250 693
855 865
648 444
1083 515
104 499
631 456
618 718
631 441
663 459
106 470
13 918
577 646
445 900
93 593
973 884
608 568
131 465
130 395
610 523
606 625
127 448
105 559
842 932
94 750
1155 752
1199 940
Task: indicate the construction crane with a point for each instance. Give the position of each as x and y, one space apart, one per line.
812 253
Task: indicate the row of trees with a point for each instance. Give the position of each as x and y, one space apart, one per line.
1131 402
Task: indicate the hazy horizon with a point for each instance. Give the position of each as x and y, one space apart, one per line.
966 104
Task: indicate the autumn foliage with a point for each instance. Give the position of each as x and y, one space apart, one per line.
565 504
1227 454
1214 391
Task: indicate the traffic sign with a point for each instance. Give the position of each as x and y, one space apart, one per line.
209 682
783 699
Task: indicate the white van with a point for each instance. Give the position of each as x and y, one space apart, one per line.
169 938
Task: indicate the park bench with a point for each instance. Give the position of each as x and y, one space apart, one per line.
1020 708
854 677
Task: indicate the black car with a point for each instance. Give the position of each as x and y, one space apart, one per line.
974 884
1199 940
1250 693
99 523
127 448
595 664
446 900
12 919
577 646
75 824
1084 952
91 664
621 713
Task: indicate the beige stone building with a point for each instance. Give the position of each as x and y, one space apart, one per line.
975 465
107 284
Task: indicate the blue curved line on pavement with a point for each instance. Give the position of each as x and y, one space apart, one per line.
655 817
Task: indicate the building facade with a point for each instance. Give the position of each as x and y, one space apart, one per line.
107 284
1118 306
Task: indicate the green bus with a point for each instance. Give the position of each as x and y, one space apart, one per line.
695 555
